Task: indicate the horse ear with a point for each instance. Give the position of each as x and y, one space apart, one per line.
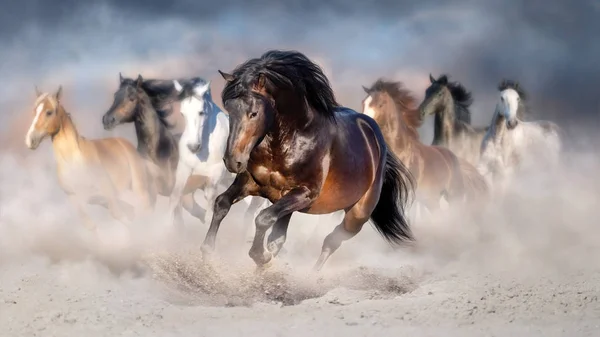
207 87
227 77
140 81
58 94
365 89
37 91
177 85
431 79
121 79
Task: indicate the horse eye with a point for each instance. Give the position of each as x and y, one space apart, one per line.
502 98
253 114
201 113
49 112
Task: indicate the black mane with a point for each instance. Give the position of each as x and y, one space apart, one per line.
462 98
289 70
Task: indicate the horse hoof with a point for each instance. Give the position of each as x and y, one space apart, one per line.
207 252
261 258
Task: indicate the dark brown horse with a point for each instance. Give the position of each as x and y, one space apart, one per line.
450 103
436 169
143 104
292 143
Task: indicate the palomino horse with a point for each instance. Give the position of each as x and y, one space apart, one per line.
292 143
512 144
436 169
142 103
202 146
90 171
449 102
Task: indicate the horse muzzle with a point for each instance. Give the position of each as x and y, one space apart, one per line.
235 164
194 147
109 122
33 141
511 124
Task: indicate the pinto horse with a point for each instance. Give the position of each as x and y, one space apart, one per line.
292 143
142 102
90 171
436 169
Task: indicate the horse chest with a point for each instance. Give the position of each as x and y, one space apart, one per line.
77 177
268 178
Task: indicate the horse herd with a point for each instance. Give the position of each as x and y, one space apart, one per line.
285 141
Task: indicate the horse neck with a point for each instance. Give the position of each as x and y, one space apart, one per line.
147 128
497 127
293 115
393 126
443 130
66 142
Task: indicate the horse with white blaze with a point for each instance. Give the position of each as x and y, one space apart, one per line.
202 146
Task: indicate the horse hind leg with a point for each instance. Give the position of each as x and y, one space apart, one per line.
353 221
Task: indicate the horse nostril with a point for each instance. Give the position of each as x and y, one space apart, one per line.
238 165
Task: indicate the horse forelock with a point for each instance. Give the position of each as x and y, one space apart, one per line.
46 97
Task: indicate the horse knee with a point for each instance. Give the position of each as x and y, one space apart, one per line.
222 204
265 219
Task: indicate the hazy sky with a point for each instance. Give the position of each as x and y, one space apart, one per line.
551 46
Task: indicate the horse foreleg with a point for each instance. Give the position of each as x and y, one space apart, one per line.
294 200
189 204
215 176
79 205
181 176
278 235
120 210
234 193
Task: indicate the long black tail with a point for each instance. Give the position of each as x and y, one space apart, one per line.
397 192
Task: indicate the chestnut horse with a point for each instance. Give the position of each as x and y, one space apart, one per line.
292 143
438 172
90 171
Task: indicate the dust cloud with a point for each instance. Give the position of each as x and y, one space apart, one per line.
527 268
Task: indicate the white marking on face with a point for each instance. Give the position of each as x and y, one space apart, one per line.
38 112
367 110
195 111
509 103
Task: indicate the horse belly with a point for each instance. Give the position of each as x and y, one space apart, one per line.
81 180
120 161
344 186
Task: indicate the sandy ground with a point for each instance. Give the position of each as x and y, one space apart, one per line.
528 269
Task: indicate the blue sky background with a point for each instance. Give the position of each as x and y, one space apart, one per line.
550 46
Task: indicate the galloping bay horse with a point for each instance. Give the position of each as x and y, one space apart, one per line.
90 171
143 104
292 143
436 169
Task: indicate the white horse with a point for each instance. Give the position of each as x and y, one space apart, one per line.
202 147
512 145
